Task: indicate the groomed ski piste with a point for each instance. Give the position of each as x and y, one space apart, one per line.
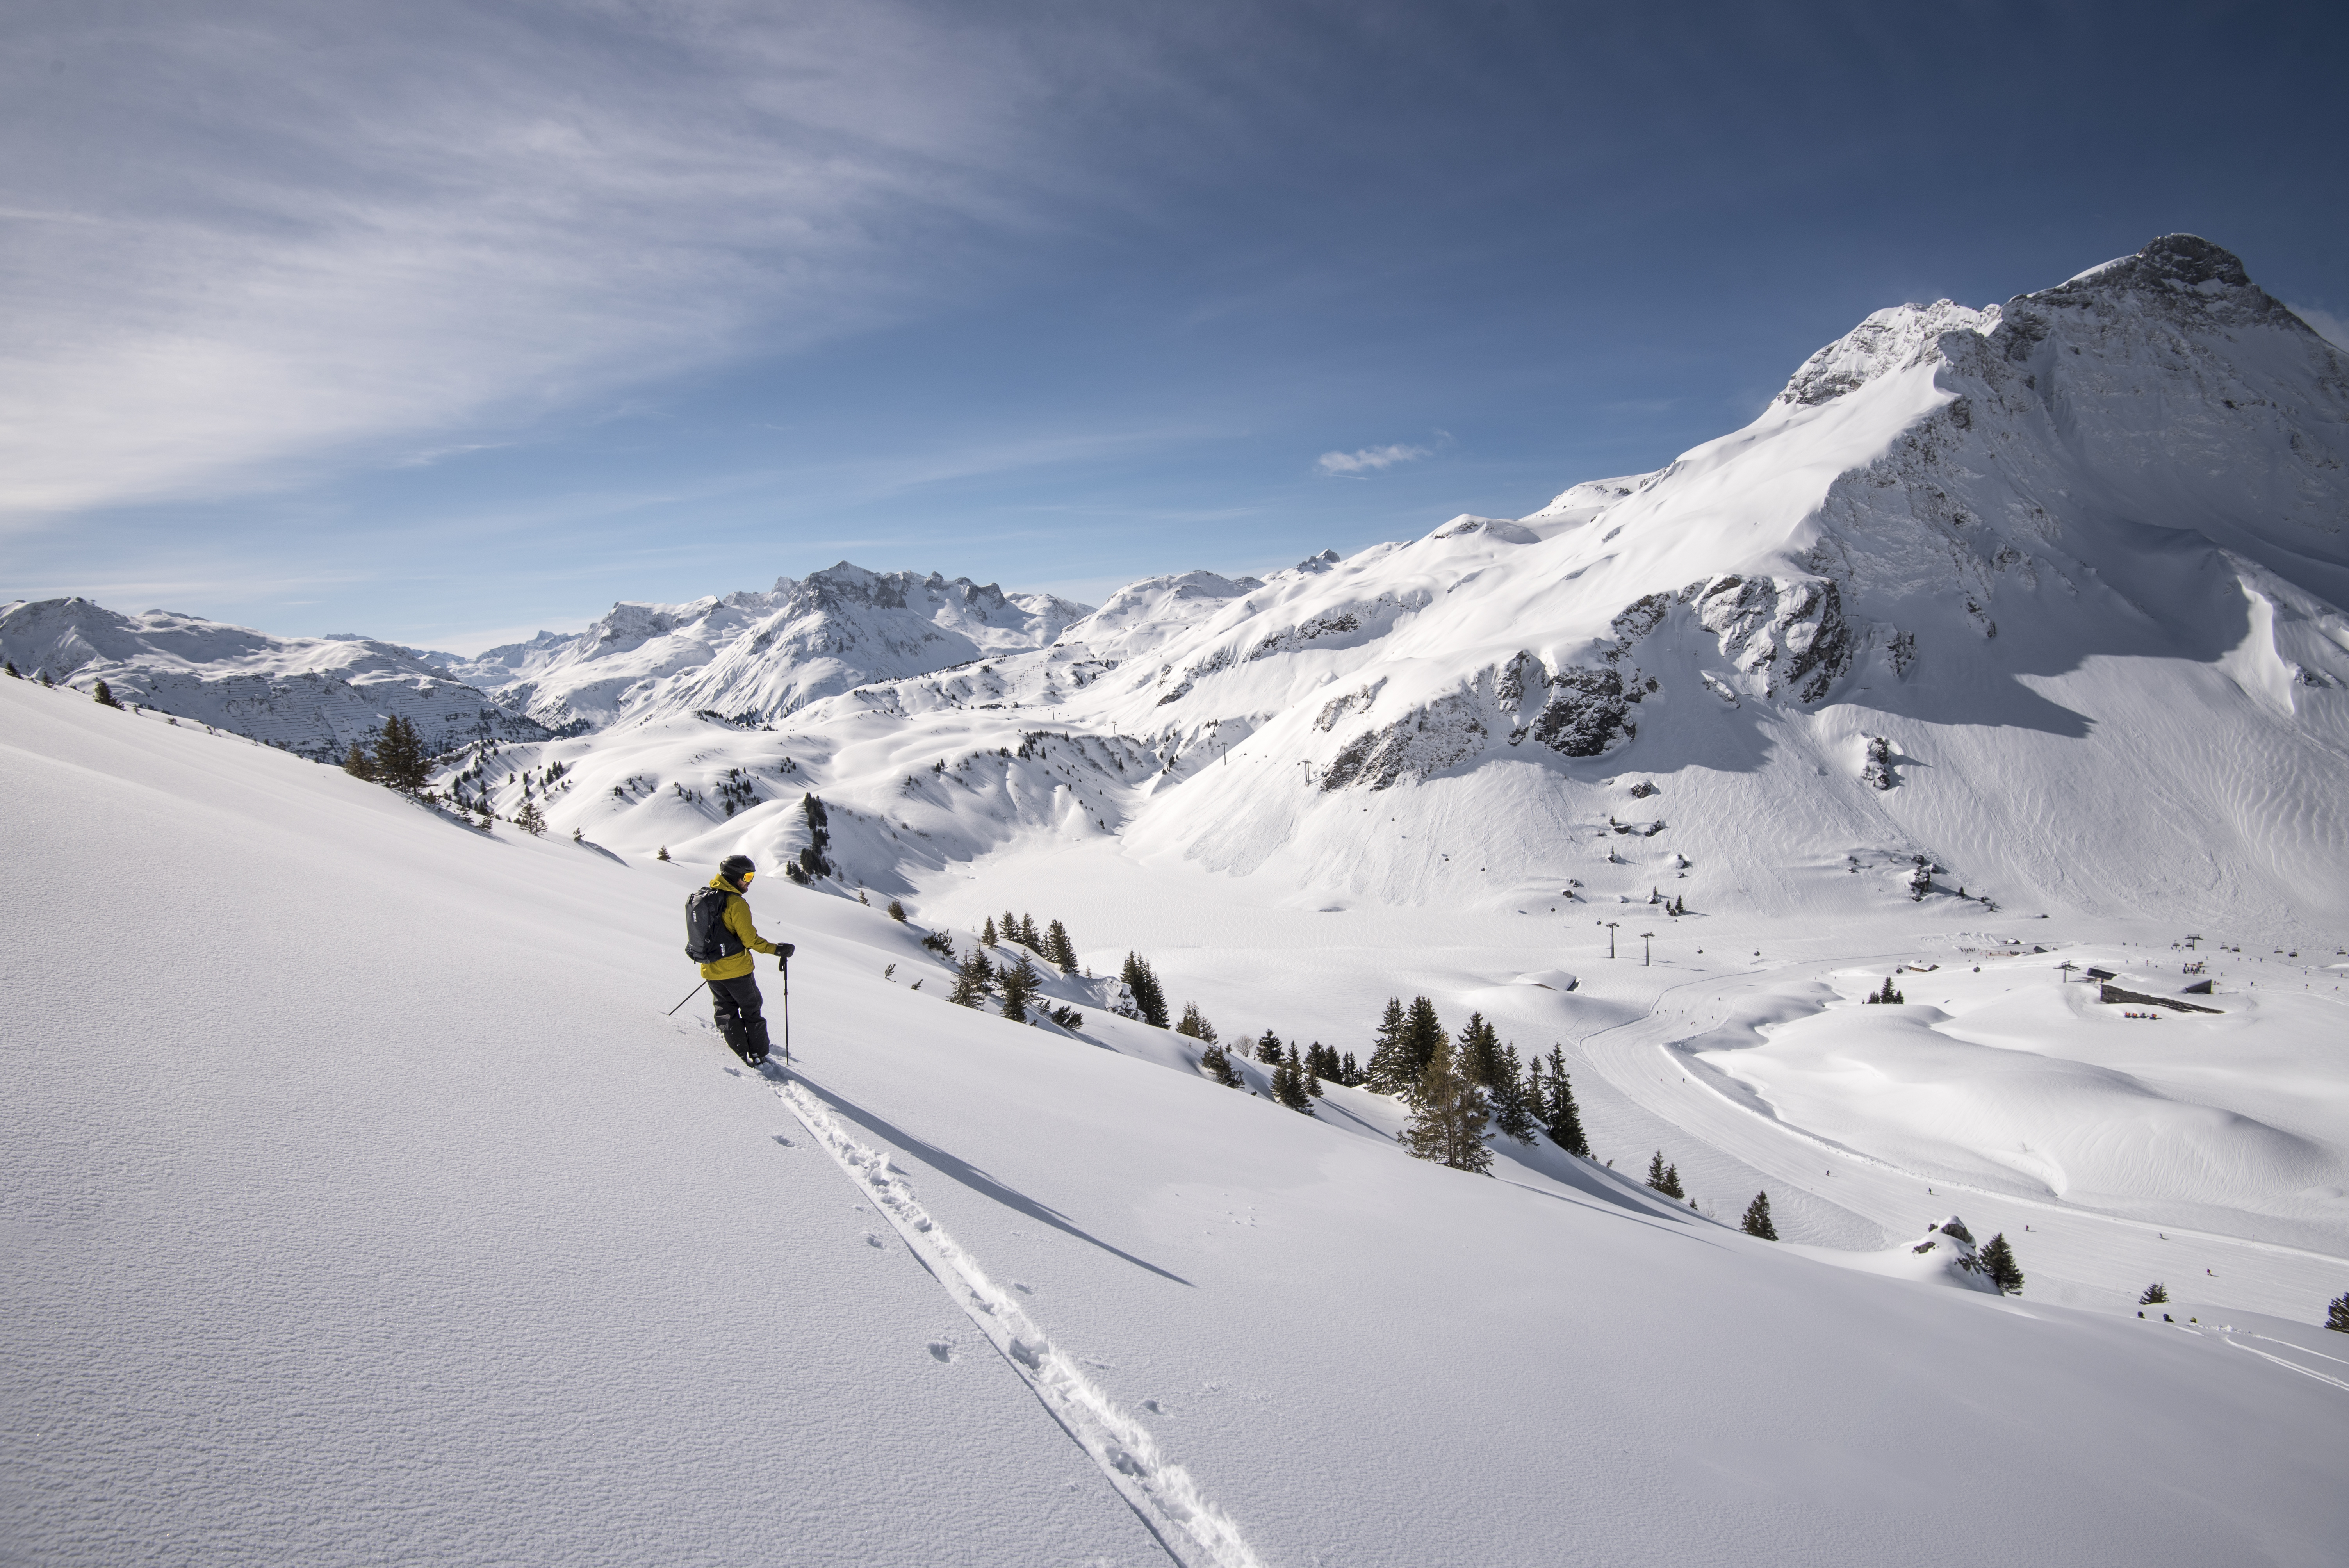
365 1207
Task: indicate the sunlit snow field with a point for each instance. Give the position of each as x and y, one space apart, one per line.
366 1206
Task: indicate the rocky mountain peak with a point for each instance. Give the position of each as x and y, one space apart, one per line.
1888 341
2179 277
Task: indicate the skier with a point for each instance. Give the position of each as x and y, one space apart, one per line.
719 936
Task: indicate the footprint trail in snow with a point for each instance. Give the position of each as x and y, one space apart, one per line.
1193 1530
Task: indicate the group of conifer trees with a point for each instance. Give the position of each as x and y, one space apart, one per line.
812 862
397 760
1888 996
1052 943
1456 1091
1665 1179
1296 1075
1017 981
1142 983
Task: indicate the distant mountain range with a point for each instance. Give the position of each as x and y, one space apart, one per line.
753 657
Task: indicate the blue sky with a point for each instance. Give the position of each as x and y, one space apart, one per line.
446 322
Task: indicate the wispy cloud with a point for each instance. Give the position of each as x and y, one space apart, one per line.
1370 459
244 237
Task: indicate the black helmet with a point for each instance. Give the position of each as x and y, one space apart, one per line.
734 868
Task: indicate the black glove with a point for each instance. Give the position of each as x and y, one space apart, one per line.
784 951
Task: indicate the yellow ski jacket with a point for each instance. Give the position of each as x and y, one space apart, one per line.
737 921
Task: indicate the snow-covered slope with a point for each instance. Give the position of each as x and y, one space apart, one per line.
441 1242
313 695
756 658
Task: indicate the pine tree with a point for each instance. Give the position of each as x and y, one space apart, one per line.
530 819
1560 1117
1289 1086
1421 1035
1348 1073
1028 937
1447 1121
2156 1294
1218 1065
664 853
896 910
399 761
1010 928
103 694
2336 1315
1313 1081
972 980
1143 981
1998 1261
1058 949
1389 1070
1888 996
1020 981
987 932
1480 1052
1757 1218
8 668
1195 1023
358 764
1513 1106
45 679
1268 1049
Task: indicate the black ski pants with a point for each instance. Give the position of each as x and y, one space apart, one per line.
735 1003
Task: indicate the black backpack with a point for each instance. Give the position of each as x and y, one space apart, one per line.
707 937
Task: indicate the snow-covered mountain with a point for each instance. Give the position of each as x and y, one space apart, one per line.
2044 598
313 695
755 658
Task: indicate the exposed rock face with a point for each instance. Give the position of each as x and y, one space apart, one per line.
1789 634
1888 340
1785 634
1877 773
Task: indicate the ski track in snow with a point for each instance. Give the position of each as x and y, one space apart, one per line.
1193 1531
2290 1366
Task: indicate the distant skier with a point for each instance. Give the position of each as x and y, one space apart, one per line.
719 936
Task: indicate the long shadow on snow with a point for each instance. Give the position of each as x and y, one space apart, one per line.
971 1176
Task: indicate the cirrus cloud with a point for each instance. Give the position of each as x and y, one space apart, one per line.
246 239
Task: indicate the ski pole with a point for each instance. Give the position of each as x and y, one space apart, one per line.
787 1010
689 995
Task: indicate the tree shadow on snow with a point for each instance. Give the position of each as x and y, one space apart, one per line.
971 1176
